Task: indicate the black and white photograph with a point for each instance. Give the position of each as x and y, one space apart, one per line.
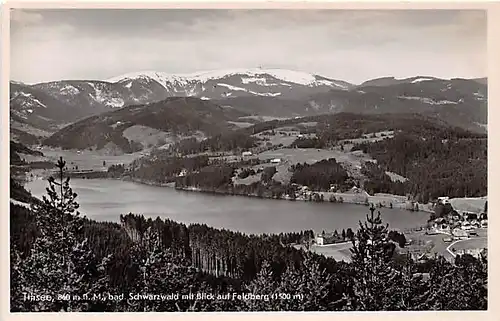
247 160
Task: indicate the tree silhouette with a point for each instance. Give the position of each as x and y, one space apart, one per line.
371 256
60 261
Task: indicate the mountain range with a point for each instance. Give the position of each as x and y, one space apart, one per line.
41 109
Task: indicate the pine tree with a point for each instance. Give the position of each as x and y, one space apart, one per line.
17 279
159 271
60 262
462 286
315 286
371 255
349 234
263 284
407 290
291 282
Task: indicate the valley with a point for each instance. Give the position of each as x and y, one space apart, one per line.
385 143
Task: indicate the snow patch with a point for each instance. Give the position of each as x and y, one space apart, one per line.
115 102
248 91
267 94
396 177
479 96
231 87
429 100
106 99
420 80
69 90
38 102
29 101
292 76
330 83
257 80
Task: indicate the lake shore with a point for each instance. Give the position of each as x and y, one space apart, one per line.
106 199
361 198
95 164
357 198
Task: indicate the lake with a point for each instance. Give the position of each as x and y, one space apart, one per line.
105 200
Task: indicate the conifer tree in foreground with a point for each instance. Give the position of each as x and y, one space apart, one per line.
371 256
60 263
262 284
159 271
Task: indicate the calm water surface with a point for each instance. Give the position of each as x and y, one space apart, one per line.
105 200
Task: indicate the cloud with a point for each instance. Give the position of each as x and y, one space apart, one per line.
353 45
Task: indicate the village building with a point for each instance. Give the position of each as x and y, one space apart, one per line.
444 200
355 189
442 227
460 234
328 238
466 226
246 154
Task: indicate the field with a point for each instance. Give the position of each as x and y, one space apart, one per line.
30 129
247 180
261 119
278 138
396 177
340 251
367 138
475 205
147 136
310 156
88 160
239 124
290 156
473 243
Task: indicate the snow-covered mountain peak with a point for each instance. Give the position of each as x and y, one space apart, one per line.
291 76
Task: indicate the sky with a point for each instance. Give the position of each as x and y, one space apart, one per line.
349 45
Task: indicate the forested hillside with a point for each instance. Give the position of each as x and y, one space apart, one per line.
430 158
82 262
435 165
168 119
